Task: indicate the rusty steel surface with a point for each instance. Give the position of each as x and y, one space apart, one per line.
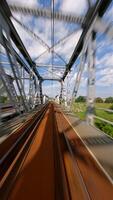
41 176
57 165
15 146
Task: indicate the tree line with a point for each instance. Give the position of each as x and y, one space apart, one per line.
97 100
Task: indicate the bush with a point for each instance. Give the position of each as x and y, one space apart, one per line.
111 107
99 100
80 99
109 100
105 127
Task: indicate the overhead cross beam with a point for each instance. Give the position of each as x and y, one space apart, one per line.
46 13
34 35
51 79
59 42
48 65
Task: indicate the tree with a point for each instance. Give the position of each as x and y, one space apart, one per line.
80 99
109 100
99 100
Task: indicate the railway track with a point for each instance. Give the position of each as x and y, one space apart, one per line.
51 162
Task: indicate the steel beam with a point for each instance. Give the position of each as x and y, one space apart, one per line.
47 65
36 37
82 61
18 58
59 42
51 79
46 13
40 89
91 79
61 92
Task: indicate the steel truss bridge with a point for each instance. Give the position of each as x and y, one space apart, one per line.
65 172
20 61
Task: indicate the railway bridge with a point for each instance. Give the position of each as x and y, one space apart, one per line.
46 151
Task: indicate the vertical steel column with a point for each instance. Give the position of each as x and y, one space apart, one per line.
83 60
23 77
40 89
61 91
36 100
79 74
31 88
91 79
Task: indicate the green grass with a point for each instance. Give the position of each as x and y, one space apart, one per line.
104 114
81 115
103 105
79 110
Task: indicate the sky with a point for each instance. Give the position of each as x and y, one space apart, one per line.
42 27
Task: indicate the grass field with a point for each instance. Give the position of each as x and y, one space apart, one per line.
79 110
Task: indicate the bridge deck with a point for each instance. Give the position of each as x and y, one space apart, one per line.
100 144
52 163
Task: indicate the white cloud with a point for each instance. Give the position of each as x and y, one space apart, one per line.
66 49
23 2
76 7
51 89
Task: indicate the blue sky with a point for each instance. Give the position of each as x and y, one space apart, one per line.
42 27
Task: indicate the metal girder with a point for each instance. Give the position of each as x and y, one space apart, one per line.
82 64
68 17
89 2
34 35
59 42
53 73
91 79
47 65
79 73
18 58
98 9
47 13
40 89
5 11
51 79
61 91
